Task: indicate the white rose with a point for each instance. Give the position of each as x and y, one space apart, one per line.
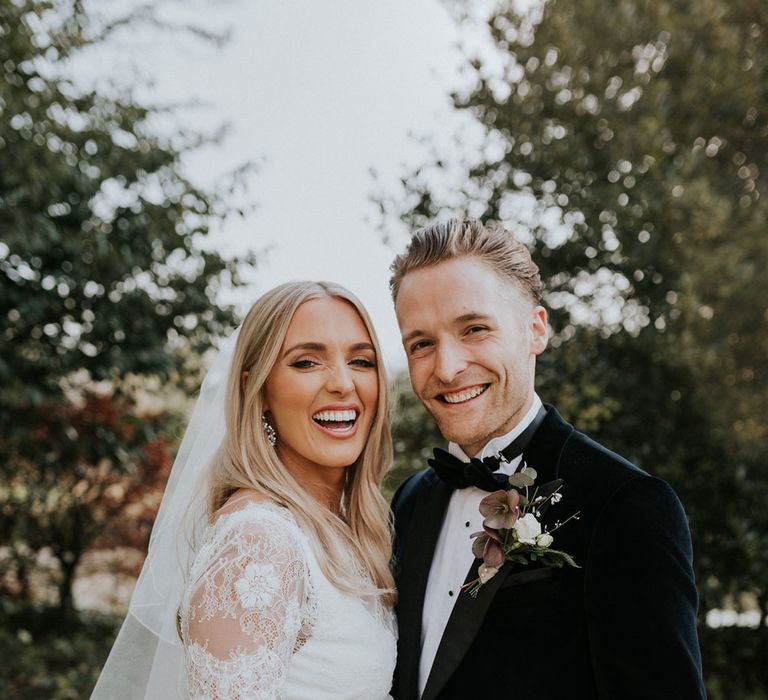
544 540
527 529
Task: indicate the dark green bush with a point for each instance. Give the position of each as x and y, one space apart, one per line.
735 662
49 656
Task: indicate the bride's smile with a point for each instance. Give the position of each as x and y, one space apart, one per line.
340 421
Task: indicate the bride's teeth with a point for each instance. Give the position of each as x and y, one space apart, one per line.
335 416
462 396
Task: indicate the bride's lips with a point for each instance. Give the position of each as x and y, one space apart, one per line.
463 396
338 421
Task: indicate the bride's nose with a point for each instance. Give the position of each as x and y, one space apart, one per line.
340 380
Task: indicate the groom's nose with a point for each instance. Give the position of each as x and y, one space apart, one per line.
450 360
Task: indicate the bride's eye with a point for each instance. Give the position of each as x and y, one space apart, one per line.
303 364
363 362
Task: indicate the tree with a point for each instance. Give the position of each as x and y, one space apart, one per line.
97 481
636 133
106 281
414 434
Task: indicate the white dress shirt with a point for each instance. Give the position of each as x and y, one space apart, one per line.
453 552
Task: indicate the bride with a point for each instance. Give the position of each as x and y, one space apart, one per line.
268 568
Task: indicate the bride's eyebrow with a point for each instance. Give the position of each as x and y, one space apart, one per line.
317 347
361 346
321 347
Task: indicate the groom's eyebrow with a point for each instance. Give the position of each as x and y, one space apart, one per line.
472 316
459 320
411 336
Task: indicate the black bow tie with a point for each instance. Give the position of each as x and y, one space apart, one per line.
480 472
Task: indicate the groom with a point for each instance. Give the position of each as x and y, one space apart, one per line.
621 626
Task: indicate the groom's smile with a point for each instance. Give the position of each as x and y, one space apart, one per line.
471 339
463 395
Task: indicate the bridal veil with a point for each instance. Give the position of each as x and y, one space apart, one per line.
147 658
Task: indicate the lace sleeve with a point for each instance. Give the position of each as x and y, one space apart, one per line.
245 613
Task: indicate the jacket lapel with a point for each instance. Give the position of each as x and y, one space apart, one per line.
465 620
542 454
431 502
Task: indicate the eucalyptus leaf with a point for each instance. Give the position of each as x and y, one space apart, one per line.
520 480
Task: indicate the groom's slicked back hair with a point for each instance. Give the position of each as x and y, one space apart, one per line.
461 238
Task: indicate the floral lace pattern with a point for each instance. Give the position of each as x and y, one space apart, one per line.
259 620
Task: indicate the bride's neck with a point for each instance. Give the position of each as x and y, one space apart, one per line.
324 484
326 494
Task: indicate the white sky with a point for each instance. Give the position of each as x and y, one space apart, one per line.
317 93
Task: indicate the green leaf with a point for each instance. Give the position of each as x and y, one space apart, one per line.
520 480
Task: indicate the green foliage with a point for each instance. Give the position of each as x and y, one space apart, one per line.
101 260
107 285
81 476
637 132
414 434
732 662
55 657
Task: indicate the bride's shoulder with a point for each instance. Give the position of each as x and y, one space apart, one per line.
249 528
251 511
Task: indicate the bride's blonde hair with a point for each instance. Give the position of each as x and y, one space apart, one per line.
246 460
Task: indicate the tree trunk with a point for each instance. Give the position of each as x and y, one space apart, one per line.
69 562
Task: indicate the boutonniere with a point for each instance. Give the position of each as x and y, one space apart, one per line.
512 529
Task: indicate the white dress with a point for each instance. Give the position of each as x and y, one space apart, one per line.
260 620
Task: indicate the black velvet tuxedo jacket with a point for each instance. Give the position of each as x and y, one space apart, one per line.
622 626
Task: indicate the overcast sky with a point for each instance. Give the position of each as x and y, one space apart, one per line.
316 93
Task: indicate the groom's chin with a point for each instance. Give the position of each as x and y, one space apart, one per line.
458 432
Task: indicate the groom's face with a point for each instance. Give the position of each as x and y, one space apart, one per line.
471 338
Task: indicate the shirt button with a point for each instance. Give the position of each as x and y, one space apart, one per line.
450 593
466 524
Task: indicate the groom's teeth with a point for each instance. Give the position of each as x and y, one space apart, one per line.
335 416
461 396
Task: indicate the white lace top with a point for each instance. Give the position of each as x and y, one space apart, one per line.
260 620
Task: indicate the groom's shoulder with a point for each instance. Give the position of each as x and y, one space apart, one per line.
596 476
582 455
584 460
599 476
583 449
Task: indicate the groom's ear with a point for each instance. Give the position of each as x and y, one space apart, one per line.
539 330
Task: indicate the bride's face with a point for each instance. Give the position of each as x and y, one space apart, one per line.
321 394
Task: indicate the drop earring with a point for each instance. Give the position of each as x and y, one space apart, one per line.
268 430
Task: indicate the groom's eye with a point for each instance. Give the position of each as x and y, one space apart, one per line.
419 345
